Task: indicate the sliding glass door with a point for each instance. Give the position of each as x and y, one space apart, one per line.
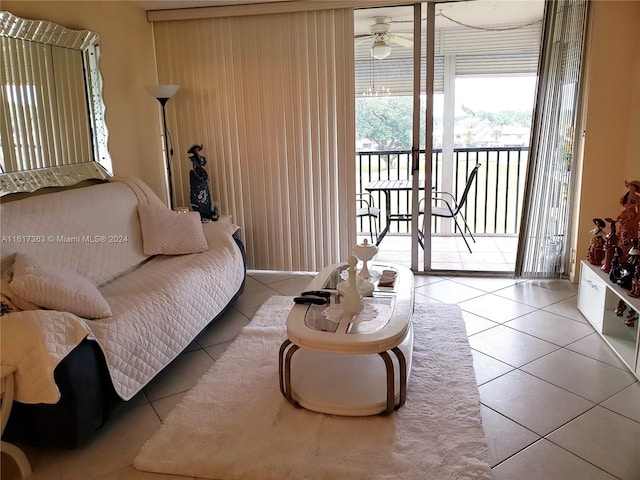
387 80
451 117
473 98
482 92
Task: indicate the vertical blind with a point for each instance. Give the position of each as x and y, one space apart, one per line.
271 99
45 118
545 223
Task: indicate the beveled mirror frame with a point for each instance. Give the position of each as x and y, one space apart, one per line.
87 43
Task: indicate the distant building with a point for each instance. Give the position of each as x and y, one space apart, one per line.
474 133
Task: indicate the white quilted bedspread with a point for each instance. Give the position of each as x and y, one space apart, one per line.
35 341
158 309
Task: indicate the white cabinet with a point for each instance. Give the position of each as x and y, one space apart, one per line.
597 300
591 296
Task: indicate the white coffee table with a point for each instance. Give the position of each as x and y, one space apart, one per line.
346 368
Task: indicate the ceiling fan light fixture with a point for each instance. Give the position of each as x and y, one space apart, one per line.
380 50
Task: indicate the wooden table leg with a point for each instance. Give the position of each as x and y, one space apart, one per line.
391 397
402 362
284 366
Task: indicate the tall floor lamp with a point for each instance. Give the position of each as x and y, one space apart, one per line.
163 93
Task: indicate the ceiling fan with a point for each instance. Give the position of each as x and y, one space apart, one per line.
380 33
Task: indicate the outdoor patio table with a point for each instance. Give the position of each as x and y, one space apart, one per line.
386 187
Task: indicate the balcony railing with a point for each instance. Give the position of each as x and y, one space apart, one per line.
494 202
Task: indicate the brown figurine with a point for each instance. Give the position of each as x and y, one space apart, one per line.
595 254
635 284
610 244
629 217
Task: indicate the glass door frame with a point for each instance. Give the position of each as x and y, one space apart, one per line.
428 147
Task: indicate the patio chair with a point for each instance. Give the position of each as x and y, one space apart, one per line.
447 206
366 208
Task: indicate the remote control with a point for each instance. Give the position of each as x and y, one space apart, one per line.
316 293
311 300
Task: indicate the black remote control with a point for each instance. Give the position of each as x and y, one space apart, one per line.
311 300
316 293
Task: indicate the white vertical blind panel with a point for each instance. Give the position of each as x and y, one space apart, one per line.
542 250
271 99
9 158
42 87
31 87
71 113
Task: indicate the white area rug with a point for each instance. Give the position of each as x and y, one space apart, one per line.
235 424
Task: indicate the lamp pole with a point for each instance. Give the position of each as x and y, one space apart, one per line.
167 153
163 93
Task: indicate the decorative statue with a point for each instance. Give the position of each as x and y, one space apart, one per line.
633 255
199 185
629 218
595 254
634 262
619 273
630 321
365 252
351 300
635 284
610 243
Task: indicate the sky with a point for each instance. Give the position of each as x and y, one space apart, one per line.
493 94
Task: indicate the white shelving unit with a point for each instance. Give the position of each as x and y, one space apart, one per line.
597 300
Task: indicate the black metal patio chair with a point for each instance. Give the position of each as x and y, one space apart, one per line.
447 206
366 208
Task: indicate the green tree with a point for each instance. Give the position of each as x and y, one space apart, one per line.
506 117
386 121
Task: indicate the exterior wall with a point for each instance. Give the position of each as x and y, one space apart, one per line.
611 149
127 65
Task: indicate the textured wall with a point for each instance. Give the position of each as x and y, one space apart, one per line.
612 140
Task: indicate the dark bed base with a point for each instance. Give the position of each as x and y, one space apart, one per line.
87 399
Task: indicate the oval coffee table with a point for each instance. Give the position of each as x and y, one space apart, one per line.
346 368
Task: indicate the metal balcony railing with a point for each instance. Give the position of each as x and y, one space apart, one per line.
495 200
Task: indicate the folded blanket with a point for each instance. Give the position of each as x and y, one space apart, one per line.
35 341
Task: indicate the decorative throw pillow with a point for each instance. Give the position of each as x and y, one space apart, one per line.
171 233
57 288
9 297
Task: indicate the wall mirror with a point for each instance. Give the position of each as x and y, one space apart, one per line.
52 128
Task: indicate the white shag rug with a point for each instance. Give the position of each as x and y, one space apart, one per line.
235 424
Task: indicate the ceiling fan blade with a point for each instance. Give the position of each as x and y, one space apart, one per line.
366 39
362 35
404 42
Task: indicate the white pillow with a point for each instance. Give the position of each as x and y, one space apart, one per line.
57 288
9 296
171 233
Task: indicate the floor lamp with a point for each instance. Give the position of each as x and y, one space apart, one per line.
163 93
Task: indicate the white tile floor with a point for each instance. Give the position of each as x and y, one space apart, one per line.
556 402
